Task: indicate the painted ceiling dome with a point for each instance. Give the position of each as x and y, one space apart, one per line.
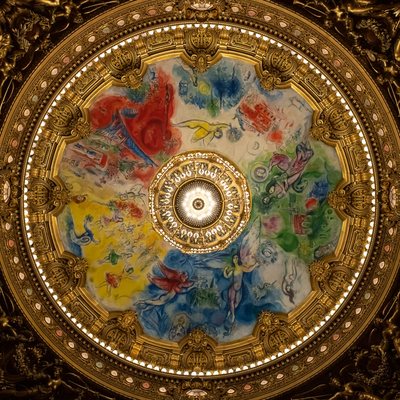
153 187
199 199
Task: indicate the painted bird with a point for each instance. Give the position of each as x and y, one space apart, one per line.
204 130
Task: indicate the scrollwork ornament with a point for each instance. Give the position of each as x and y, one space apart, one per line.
125 64
201 45
197 339
64 116
47 195
332 124
11 191
338 280
121 330
66 273
268 322
371 29
81 129
202 10
320 270
132 79
87 82
274 332
319 131
197 351
127 320
244 43
355 199
332 277
276 68
79 267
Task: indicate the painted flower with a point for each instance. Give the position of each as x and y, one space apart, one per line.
275 137
272 224
311 203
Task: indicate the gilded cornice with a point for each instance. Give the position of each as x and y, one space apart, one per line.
368 29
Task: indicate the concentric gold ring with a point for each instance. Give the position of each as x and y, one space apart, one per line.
199 202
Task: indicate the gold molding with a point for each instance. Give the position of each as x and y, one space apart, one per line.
381 138
281 69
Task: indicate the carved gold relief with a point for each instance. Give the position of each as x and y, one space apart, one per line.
354 199
42 156
316 85
201 47
66 273
160 41
314 316
276 68
157 356
333 123
41 236
334 278
243 43
120 331
197 351
64 116
125 64
232 359
274 332
81 129
355 155
47 195
320 270
356 240
88 81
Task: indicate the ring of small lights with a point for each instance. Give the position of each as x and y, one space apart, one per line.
62 330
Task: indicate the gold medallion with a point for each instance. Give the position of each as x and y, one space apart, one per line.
199 202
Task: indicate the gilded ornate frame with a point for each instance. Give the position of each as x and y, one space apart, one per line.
46 194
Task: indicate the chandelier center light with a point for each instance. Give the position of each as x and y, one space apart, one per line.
199 202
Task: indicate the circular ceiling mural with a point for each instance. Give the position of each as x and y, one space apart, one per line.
199 198
199 202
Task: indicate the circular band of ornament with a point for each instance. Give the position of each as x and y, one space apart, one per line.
331 277
349 286
199 202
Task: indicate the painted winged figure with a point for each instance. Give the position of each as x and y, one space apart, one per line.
204 130
172 282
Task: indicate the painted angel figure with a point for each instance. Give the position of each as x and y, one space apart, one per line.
172 282
292 171
245 261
